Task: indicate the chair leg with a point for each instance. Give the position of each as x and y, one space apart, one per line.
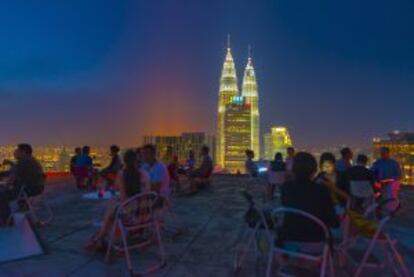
398 257
367 255
111 240
126 249
244 250
269 263
159 241
389 259
325 262
331 265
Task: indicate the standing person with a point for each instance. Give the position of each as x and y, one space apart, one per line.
169 154
304 194
173 173
191 161
345 162
78 152
200 175
158 174
277 175
131 181
335 181
138 153
109 173
250 165
387 172
83 167
26 172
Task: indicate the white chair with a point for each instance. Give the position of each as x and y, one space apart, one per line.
362 195
322 257
36 205
380 238
138 228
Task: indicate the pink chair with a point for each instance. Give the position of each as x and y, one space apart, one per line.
136 227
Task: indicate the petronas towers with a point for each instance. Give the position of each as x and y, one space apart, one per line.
238 116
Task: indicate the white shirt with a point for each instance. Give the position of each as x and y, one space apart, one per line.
158 173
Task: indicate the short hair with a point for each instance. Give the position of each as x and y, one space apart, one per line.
290 148
150 147
363 159
385 148
26 148
78 149
304 166
278 156
327 157
115 148
205 149
86 149
345 151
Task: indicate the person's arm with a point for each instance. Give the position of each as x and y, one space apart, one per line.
333 187
328 215
398 172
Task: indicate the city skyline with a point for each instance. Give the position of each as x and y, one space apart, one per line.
100 72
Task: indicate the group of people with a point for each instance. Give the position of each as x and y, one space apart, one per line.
25 173
325 192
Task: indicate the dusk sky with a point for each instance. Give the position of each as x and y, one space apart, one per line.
110 71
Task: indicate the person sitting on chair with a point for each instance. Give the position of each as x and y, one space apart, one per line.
304 194
84 168
200 175
131 181
26 173
109 173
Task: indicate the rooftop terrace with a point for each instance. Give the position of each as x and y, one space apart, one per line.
214 224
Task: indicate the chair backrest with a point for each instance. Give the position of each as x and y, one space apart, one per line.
137 209
361 189
282 211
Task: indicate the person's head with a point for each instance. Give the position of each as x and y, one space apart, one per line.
131 175
304 166
78 151
290 152
346 153
114 149
204 150
149 153
385 153
250 154
175 159
86 150
362 160
278 157
327 162
24 150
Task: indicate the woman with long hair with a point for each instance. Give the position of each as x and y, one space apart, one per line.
131 181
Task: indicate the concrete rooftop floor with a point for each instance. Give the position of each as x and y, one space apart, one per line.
213 221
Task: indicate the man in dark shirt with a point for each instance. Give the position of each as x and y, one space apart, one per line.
201 174
308 196
110 172
360 172
26 172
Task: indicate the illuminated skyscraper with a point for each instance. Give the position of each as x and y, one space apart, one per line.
228 89
237 120
249 91
278 140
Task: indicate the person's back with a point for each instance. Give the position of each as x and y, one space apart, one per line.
29 173
386 169
308 196
277 172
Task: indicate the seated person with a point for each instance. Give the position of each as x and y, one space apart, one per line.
131 181
360 172
26 172
109 173
83 168
200 176
158 174
72 164
250 165
173 173
276 175
304 194
334 180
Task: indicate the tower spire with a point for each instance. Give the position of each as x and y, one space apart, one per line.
249 51
228 41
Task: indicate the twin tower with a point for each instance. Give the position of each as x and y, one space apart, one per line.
238 116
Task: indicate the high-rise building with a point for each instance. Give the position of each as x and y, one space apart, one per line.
237 134
181 144
228 89
401 145
249 92
278 140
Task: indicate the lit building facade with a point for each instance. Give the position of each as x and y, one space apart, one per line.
249 92
182 144
278 140
401 145
228 89
237 134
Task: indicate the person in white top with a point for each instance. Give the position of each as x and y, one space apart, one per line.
158 174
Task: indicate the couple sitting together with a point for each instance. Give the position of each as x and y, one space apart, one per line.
131 181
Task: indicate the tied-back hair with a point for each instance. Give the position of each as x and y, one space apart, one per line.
131 177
